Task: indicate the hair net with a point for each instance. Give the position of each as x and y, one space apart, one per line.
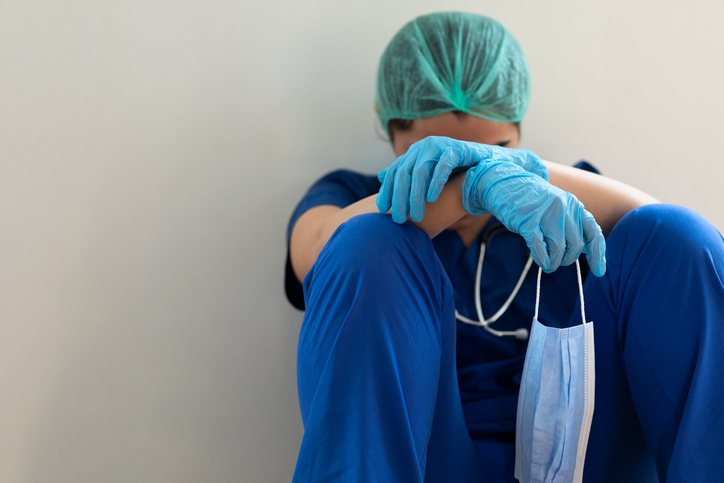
452 61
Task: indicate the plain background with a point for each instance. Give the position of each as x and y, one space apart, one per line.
151 152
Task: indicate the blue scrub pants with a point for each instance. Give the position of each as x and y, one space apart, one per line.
376 357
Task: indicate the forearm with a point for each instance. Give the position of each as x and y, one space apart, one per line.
608 200
315 227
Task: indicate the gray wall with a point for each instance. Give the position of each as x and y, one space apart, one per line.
151 152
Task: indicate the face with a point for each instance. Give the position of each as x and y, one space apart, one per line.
462 127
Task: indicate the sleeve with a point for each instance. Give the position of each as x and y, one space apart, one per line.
586 166
339 188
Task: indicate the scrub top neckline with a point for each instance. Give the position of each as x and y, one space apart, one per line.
476 241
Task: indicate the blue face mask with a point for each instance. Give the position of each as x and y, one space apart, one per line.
555 403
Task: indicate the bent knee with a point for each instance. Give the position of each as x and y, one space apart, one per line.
372 250
378 228
375 238
379 263
665 227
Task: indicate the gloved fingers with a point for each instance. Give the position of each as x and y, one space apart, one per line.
387 190
556 245
523 158
384 197
381 175
574 235
533 164
541 208
517 156
480 152
473 192
538 249
401 195
574 248
421 174
595 244
449 160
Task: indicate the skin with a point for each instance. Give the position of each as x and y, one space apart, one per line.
608 200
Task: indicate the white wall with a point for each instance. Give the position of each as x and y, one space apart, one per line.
151 152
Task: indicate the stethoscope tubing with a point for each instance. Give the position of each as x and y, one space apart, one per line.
520 334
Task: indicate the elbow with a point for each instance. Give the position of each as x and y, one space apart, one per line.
303 260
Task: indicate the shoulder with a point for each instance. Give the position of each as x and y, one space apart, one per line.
355 182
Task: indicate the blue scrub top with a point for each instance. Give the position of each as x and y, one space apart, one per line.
489 367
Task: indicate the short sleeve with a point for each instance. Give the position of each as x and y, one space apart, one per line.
340 188
586 166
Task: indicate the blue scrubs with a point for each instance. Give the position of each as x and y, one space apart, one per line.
392 388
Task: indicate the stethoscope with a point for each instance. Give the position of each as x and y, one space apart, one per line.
520 334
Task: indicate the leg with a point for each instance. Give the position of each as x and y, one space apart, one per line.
376 361
659 330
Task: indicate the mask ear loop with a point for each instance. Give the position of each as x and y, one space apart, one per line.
537 293
580 292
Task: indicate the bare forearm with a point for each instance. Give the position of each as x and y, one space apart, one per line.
608 200
315 227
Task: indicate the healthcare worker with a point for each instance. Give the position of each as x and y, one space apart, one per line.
392 387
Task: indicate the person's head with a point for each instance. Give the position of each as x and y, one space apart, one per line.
452 74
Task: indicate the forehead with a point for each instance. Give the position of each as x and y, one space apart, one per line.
463 127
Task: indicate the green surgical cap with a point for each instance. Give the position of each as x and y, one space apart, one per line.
452 61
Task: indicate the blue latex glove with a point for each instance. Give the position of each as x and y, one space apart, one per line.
553 222
418 176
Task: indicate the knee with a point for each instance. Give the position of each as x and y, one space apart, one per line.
374 240
376 266
670 229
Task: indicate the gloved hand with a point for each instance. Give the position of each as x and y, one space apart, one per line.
554 224
423 171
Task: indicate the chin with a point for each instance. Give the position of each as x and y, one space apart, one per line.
463 222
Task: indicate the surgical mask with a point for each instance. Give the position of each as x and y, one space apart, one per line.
555 403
